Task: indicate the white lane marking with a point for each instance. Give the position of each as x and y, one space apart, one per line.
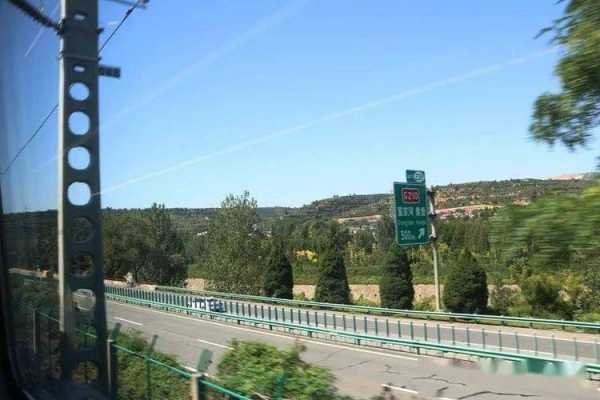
190 368
400 389
214 344
128 321
443 398
260 332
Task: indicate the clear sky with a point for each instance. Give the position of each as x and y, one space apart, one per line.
299 100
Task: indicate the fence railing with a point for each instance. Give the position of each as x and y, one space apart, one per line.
432 315
523 361
160 380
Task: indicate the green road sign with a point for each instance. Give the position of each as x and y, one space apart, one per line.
411 213
413 176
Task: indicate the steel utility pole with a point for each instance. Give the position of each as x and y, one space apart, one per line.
433 237
81 285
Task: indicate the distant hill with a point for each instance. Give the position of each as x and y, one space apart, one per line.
489 193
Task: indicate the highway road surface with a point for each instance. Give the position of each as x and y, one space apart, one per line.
360 371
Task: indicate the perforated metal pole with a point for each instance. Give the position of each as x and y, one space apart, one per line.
79 231
433 237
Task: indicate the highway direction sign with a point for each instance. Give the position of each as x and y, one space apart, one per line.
411 214
413 176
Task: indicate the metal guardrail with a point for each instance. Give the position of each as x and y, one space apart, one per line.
435 315
523 362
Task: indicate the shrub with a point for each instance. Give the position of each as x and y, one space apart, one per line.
503 298
279 278
255 368
332 285
427 303
466 286
542 294
396 287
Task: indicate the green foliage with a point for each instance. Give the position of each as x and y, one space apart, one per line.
233 248
466 286
332 285
502 299
396 286
570 115
278 278
425 304
542 292
256 368
132 370
145 243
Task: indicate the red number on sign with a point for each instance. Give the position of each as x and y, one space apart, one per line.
410 195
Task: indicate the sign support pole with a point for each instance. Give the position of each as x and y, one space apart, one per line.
433 237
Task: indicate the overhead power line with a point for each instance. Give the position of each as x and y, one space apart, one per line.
38 16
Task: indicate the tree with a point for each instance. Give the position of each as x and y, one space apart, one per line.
332 284
570 115
396 287
233 247
279 278
255 368
466 286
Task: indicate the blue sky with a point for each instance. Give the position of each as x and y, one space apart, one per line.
299 100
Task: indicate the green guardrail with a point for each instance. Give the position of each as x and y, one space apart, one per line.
523 362
436 315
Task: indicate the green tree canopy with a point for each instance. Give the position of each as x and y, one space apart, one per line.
396 286
332 284
255 368
233 248
570 115
466 289
279 277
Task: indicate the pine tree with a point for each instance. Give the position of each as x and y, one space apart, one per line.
332 284
279 276
466 286
396 286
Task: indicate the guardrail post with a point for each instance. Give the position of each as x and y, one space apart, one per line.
387 327
334 322
499 340
437 328
325 320
344 321
354 322
307 318
276 314
575 349
425 331
237 308
483 337
255 311
412 330
468 336
299 317
553 347
291 316
366 326
262 311
399 328
316 319
535 344
517 342
269 313
198 387
376 327
111 365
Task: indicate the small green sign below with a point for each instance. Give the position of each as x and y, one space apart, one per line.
413 176
411 213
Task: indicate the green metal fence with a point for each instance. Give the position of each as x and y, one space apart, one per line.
132 375
523 362
433 315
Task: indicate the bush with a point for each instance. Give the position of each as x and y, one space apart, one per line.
166 384
332 285
279 278
466 286
542 293
503 298
396 287
255 368
425 304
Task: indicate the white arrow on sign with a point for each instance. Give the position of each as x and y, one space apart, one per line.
421 233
